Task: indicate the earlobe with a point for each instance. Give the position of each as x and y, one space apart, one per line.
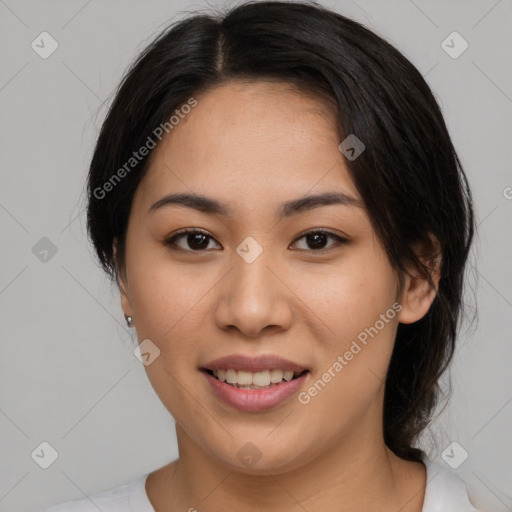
416 300
418 294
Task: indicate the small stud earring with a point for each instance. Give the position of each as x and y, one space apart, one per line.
129 320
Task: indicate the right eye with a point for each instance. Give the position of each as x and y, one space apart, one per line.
196 239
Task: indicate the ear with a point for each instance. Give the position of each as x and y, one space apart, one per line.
123 287
418 295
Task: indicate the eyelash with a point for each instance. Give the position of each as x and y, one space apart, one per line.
171 241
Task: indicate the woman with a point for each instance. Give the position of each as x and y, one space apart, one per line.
276 194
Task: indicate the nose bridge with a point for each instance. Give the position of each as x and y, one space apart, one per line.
252 277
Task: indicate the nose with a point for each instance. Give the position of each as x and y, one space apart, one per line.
253 298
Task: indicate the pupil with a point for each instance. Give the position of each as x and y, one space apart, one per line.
193 238
316 237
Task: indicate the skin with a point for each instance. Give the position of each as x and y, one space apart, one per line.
254 146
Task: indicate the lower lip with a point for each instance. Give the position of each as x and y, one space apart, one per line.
254 400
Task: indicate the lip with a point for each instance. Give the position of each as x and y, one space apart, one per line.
254 364
255 400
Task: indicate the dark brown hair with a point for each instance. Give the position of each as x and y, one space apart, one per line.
409 175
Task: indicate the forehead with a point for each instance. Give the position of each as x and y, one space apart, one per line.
247 140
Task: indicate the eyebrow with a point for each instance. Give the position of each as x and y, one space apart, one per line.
212 206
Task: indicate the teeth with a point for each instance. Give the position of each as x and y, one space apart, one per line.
288 375
261 379
231 377
246 378
276 376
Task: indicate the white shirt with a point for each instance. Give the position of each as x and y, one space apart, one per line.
445 492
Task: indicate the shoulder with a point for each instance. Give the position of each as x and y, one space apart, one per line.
130 497
445 490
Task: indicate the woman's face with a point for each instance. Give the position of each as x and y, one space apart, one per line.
256 285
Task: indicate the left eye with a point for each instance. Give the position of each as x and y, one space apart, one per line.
199 240
316 239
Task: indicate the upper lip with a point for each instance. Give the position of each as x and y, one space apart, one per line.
254 364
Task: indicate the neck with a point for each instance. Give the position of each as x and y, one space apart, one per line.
360 474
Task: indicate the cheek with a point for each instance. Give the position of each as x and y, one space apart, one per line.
166 294
168 305
350 296
358 313
354 359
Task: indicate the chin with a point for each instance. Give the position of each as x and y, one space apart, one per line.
264 458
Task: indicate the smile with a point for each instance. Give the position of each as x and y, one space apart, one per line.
251 397
255 380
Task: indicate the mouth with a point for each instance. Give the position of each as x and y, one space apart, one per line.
255 392
254 380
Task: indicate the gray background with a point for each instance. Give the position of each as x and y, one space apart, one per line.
67 372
